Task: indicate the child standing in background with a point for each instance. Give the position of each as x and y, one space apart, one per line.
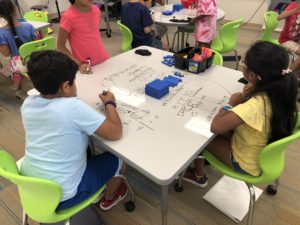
264 112
12 36
80 26
205 21
136 16
290 34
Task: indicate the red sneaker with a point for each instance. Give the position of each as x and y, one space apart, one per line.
119 195
191 177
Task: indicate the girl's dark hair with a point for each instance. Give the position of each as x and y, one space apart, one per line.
267 61
72 2
7 11
49 69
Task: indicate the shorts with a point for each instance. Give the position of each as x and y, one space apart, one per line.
291 45
236 167
160 30
157 44
99 170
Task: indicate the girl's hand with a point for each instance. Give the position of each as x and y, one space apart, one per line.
84 68
107 96
247 89
236 99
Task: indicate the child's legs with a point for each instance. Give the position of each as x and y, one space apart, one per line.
115 182
159 44
292 46
99 170
17 80
219 147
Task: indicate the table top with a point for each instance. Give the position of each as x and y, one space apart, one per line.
161 137
36 25
182 14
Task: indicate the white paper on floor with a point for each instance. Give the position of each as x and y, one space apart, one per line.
231 197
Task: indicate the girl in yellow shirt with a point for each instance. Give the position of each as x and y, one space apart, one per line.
264 112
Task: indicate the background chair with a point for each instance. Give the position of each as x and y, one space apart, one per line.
26 49
218 59
228 39
189 29
271 162
37 16
39 197
126 36
271 22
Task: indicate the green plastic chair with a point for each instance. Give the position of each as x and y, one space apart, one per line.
37 16
218 59
271 22
271 162
228 39
189 29
127 36
40 197
26 49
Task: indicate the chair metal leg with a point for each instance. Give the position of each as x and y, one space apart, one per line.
251 204
176 33
272 188
130 205
25 218
178 39
236 59
167 37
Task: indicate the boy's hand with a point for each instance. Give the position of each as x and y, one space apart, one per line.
84 68
107 96
236 99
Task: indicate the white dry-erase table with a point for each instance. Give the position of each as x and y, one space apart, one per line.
182 14
36 25
160 137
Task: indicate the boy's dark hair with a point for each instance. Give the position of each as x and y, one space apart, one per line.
72 2
270 62
49 69
7 11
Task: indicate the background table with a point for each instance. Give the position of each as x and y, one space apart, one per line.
182 14
161 137
36 25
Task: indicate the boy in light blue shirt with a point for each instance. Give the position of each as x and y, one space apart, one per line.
57 128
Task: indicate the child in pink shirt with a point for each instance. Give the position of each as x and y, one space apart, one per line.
205 21
80 26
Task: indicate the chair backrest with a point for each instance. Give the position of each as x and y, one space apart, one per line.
271 159
228 35
271 22
218 59
26 49
127 36
39 197
37 16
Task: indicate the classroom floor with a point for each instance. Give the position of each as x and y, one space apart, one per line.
187 207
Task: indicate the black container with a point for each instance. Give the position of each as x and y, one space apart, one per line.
181 62
197 67
210 60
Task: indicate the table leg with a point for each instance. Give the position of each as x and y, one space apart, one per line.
164 204
182 40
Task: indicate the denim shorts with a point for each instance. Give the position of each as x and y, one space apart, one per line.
236 167
99 170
